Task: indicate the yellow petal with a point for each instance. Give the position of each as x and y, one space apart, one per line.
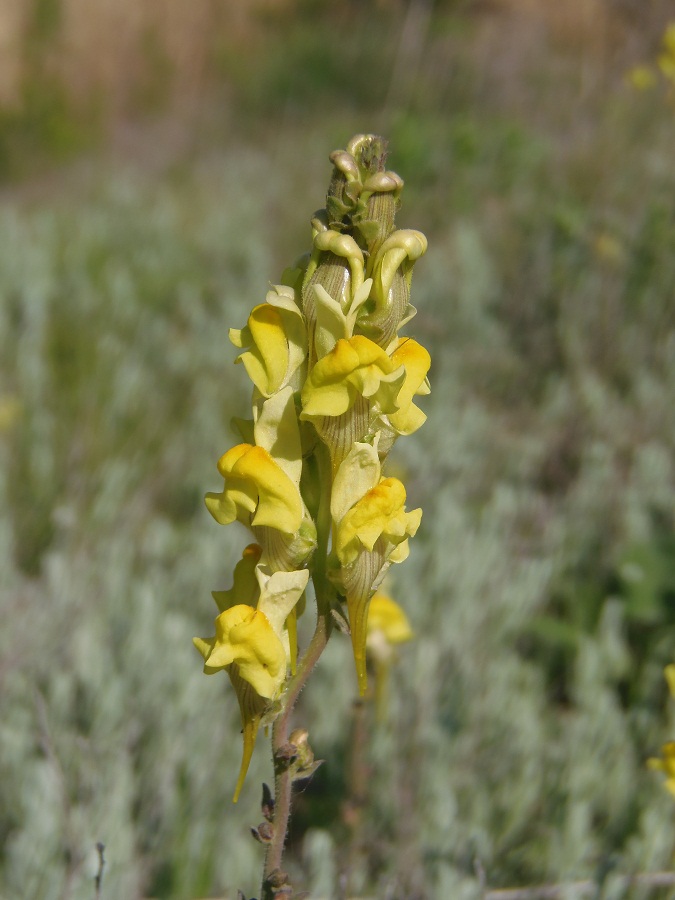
267 361
642 78
669 672
668 751
358 473
401 249
276 335
244 636
205 647
387 617
279 594
379 511
245 588
277 430
669 38
257 491
416 361
355 366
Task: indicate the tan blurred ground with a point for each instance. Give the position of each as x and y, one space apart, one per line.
106 48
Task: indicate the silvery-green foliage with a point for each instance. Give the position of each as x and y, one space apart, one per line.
545 472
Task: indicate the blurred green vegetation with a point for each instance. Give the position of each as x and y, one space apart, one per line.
542 584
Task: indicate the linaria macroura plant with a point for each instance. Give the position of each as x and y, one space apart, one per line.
334 385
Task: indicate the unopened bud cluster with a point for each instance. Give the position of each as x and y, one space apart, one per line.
334 384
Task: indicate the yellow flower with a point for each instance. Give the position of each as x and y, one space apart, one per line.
642 78
380 513
262 484
387 622
336 271
416 361
666 763
277 337
388 306
666 63
669 672
370 531
10 410
387 627
245 588
257 491
335 320
355 367
245 637
666 59
252 640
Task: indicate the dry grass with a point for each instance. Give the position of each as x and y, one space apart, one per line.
118 49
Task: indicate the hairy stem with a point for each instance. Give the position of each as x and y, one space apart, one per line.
283 775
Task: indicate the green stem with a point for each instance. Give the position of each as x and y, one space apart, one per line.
283 776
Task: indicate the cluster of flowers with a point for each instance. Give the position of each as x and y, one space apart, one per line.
334 387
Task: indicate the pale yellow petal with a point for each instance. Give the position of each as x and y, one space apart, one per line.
416 361
244 636
669 672
245 588
276 430
388 618
256 488
354 367
357 474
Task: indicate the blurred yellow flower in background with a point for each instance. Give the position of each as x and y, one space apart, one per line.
10 410
387 627
666 762
642 78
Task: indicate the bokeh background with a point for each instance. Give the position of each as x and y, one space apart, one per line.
160 161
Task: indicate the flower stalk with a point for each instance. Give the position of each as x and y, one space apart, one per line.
334 385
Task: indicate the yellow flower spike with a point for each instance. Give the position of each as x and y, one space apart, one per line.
245 588
277 337
257 491
354 367
416 360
